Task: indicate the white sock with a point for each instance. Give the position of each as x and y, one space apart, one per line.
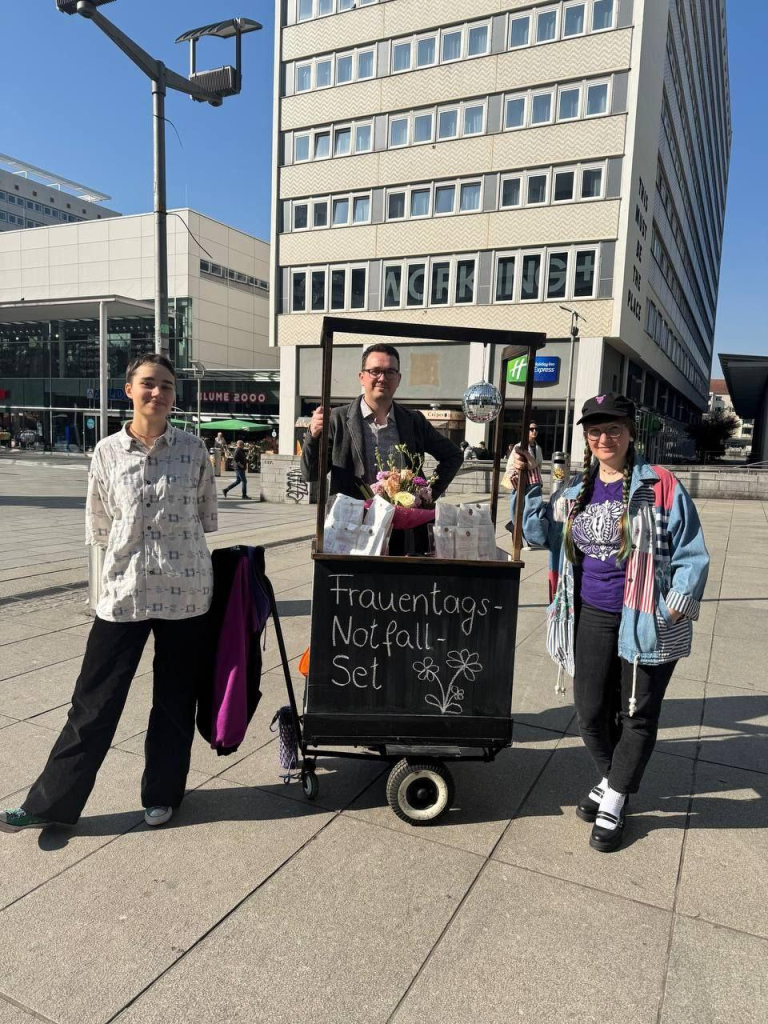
610 808
597 791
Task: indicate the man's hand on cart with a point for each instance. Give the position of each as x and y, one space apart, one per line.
316 423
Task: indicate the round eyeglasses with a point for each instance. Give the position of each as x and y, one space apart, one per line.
613 431
377 372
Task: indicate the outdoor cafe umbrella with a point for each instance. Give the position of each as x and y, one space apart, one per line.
242 425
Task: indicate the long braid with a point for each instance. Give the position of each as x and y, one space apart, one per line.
626 532
578 505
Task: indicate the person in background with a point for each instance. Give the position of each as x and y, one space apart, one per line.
240 466
535 462
468 452
481 452
220 443
151 499
632 565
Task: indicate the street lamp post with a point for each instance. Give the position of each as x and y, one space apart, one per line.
575 317
205 86
198 369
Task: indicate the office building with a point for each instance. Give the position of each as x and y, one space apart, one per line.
487 163
55 282
33 198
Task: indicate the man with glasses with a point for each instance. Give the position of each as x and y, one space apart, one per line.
375 422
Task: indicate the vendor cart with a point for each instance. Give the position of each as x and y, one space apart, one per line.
411 659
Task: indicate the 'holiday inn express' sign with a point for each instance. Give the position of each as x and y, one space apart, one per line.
546 371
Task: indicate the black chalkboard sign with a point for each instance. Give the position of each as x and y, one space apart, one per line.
418 650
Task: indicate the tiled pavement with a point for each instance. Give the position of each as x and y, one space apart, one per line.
254 905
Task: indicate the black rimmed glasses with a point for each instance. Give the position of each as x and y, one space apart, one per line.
377 372
613 431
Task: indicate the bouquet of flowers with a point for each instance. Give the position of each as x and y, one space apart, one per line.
406 487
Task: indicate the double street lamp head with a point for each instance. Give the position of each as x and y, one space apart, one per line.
83 7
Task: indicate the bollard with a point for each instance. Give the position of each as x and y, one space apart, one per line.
95 566
560 473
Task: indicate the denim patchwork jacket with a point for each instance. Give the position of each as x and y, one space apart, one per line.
666 569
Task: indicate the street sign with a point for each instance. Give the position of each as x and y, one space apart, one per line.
546 371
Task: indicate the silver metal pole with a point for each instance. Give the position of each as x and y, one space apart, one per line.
161 219
103 372
198 406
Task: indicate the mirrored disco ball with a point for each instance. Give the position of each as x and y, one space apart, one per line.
481 402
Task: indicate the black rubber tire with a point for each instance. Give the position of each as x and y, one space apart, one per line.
310 785
420 791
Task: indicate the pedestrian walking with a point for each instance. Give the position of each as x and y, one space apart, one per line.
240 466
151 498
630 565
535 463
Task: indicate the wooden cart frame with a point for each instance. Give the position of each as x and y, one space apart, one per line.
420 788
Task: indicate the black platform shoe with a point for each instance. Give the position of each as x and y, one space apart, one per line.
606 840
586 808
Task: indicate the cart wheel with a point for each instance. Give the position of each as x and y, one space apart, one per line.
420 792
310 785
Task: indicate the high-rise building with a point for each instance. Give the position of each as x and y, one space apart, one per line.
488 163
33 198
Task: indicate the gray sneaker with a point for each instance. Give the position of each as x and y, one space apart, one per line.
157 815
17 819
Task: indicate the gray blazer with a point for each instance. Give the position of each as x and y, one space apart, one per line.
346 449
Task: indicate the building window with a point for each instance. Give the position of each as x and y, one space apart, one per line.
398 132
422 128
514 116
569 103
597 99
300 216
465 280
536 188
474 119
445 197
344 68
448 123
299 291
541 108
420 202
396 206
563 191
451 46
557 275
592 183
469 200
574 23
602 15
505 278
320 214
363 138
519 31
361 209
401 57
530 281
585 277
546 25
426 51
510 192
392 278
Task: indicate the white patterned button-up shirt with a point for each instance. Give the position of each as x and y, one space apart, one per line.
150 509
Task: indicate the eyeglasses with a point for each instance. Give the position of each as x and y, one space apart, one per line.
613 431
377 372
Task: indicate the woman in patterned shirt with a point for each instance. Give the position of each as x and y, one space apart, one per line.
151 499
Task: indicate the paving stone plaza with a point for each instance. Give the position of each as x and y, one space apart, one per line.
254 905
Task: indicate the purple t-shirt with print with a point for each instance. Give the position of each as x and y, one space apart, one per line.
597 533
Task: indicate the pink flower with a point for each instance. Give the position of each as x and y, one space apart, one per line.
416 502
420 481
382 475
377 488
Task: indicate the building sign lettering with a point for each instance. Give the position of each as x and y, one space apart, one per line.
244 397
634 304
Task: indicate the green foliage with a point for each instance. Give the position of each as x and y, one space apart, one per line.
711 435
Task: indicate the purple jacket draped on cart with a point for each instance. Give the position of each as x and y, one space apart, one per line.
230 691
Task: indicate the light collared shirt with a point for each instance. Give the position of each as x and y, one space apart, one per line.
150 509
381 436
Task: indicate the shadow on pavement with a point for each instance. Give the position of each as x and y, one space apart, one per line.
42 501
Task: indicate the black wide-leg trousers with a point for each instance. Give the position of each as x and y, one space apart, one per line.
620 746
111 658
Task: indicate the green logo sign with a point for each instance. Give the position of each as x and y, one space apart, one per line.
517 370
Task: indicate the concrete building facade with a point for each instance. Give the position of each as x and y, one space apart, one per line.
490 162
55 282
31 197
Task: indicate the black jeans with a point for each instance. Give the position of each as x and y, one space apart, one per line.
111 658
239 479
620 746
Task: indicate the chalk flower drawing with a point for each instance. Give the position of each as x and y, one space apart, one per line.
464 662
427 671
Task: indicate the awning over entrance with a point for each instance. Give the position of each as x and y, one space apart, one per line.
747 380
71 309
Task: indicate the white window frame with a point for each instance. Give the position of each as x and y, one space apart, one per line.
542 254
587 19
592 18
464 258
483 104
445 110
316 6
451 31
596 276
526 107
460 184
323 131
422 112
342 197
399 117
534 93
294 204
504 254
488 32
294 273
590 84
555 9
428 188
570 87
519 17
600 166
414 261
541 172
317 270
345 126
401 42
569 270
353 197
396 191
520 176
334 268
299 66
321 201
355 126
309 136
329 58
386 264
342 56
566 169
312 14
358 53
351 267
450 260
439 185
435 37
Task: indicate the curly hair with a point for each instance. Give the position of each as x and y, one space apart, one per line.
588 473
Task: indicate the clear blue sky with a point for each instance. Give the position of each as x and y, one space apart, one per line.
80 108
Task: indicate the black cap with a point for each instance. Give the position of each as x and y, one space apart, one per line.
607 407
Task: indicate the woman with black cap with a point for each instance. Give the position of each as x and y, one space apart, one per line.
628 551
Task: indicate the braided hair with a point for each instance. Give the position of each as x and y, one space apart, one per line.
580 502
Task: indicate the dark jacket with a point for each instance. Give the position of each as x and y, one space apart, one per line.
347 448
240 460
